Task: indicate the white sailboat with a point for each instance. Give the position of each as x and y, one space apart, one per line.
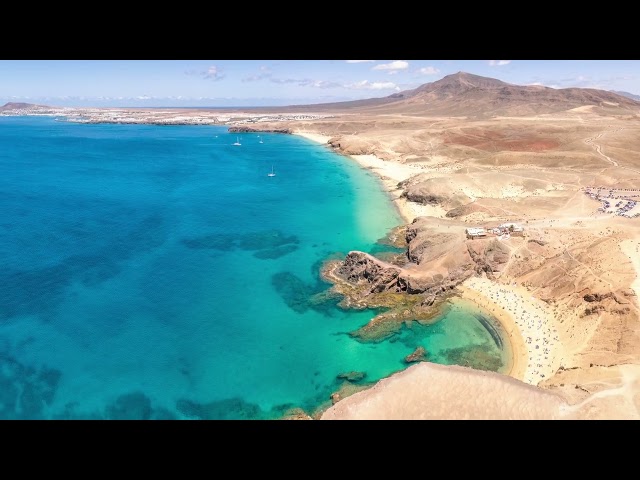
237 141
272 174
260 140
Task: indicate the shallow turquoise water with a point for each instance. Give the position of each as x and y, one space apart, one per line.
157 272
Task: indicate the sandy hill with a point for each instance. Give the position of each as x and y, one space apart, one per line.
468 95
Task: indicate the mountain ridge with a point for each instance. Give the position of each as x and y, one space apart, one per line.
466 94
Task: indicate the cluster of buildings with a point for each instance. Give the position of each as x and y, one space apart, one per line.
281 117
625 206
503 231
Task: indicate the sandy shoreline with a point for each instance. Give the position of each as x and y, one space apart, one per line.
390 174
527 321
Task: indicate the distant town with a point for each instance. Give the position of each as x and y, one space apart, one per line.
153 116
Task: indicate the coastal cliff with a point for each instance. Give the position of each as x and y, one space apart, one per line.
435 262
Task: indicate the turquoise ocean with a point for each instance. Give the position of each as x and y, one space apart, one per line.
158 272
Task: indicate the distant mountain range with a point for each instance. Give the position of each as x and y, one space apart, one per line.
465 94
627 94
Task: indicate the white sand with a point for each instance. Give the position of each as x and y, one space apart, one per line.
316 137
390 174
537 352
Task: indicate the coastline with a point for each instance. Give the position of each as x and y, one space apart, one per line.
389 174
527 322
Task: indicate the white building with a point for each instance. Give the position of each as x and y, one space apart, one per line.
475 232
514 228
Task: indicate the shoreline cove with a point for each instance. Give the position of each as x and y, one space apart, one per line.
523 334
389 175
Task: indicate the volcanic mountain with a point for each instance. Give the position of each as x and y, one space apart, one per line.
20 106
465 94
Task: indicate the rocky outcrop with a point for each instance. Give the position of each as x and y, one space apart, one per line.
439 262
418 355
351 145
428 246
423 196
596 297
490 256
359 267
542 243
432 191
440 257
258 130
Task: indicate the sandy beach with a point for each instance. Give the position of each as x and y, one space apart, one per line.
390 174
529 323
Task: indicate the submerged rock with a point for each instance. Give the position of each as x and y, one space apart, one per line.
352 376
418 355
132 406
296 414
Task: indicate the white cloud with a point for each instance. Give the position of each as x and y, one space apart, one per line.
359 61
213 73
498 63
429 70
395 65
306 82
393 72
367 85
265 72
324 84
144 97
255 78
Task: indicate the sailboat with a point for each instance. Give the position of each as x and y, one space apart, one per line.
260 140
237 141
272 174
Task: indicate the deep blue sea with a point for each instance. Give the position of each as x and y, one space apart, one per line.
158 272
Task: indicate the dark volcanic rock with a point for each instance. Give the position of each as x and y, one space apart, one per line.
418 355
258 130
352 376
359 266
596 297
422 197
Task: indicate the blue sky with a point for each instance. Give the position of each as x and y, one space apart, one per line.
277 82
